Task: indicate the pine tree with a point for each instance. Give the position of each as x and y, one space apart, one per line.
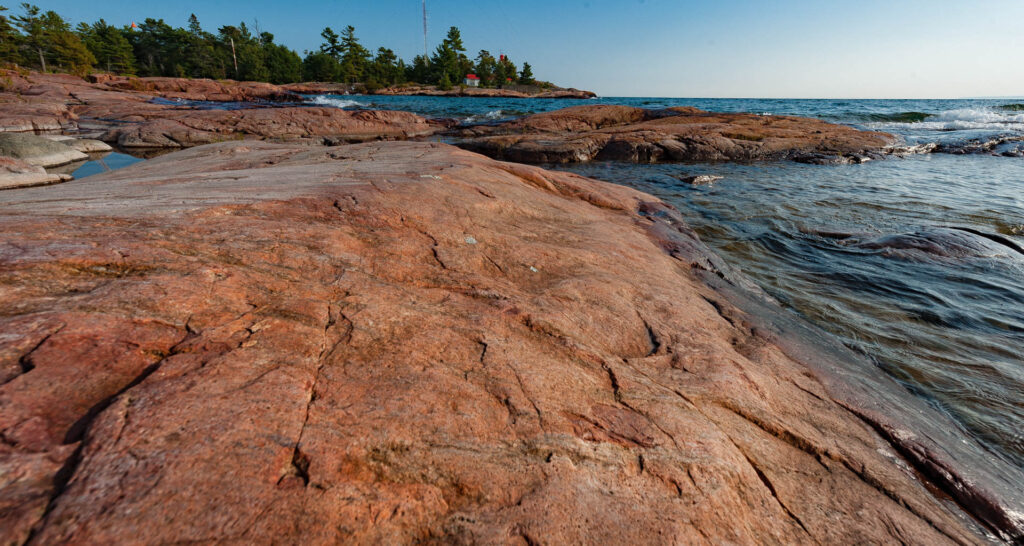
445 83
332 44
34 35
283 64
449 59
247 52
385 68
320 67
46 41
355 59
108 45
526 76
9 39
419 70
485 67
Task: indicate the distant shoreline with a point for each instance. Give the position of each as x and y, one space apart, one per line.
515 91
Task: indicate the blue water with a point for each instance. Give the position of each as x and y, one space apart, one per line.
916 121
101 163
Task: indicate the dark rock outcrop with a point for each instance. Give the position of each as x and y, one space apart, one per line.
624 133
404 343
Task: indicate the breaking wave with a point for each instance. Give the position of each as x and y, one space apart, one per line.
335 102
952 120
493 115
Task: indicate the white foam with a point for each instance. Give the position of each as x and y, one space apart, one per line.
962 119
489 116
336 102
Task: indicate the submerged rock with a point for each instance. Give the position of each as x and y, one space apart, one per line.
37 150
268 342
945 242
700 179
625 133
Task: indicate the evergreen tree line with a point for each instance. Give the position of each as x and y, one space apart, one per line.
46 41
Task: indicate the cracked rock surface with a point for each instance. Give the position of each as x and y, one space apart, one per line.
406 342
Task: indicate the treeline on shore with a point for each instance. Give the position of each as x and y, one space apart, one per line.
45 41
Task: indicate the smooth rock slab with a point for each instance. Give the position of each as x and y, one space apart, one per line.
37 150
276 343
84 145
15 173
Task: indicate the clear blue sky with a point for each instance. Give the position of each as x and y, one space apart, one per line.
673 48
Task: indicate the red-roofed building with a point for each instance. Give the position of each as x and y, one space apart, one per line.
472 80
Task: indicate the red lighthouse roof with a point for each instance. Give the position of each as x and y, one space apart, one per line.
472 77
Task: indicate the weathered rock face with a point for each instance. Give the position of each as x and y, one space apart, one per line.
15 173
583 133
184 128
319 88
406 342
123 108
84 145
197 89
36 150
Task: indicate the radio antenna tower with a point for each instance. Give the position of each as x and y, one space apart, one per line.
425 30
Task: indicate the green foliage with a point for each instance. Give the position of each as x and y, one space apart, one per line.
247 55
34 39
48 42
44 41
160 50
485 67
419 70
386 68
332 44
9 38
283 64
526 75
320 67
355 58
449 60
113 52
505 71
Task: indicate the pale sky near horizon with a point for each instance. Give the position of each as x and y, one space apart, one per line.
664 48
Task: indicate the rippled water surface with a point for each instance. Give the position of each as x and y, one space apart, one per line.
918 263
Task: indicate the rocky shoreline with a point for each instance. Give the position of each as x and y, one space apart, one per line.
434 91
263 338
623 133
301 342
